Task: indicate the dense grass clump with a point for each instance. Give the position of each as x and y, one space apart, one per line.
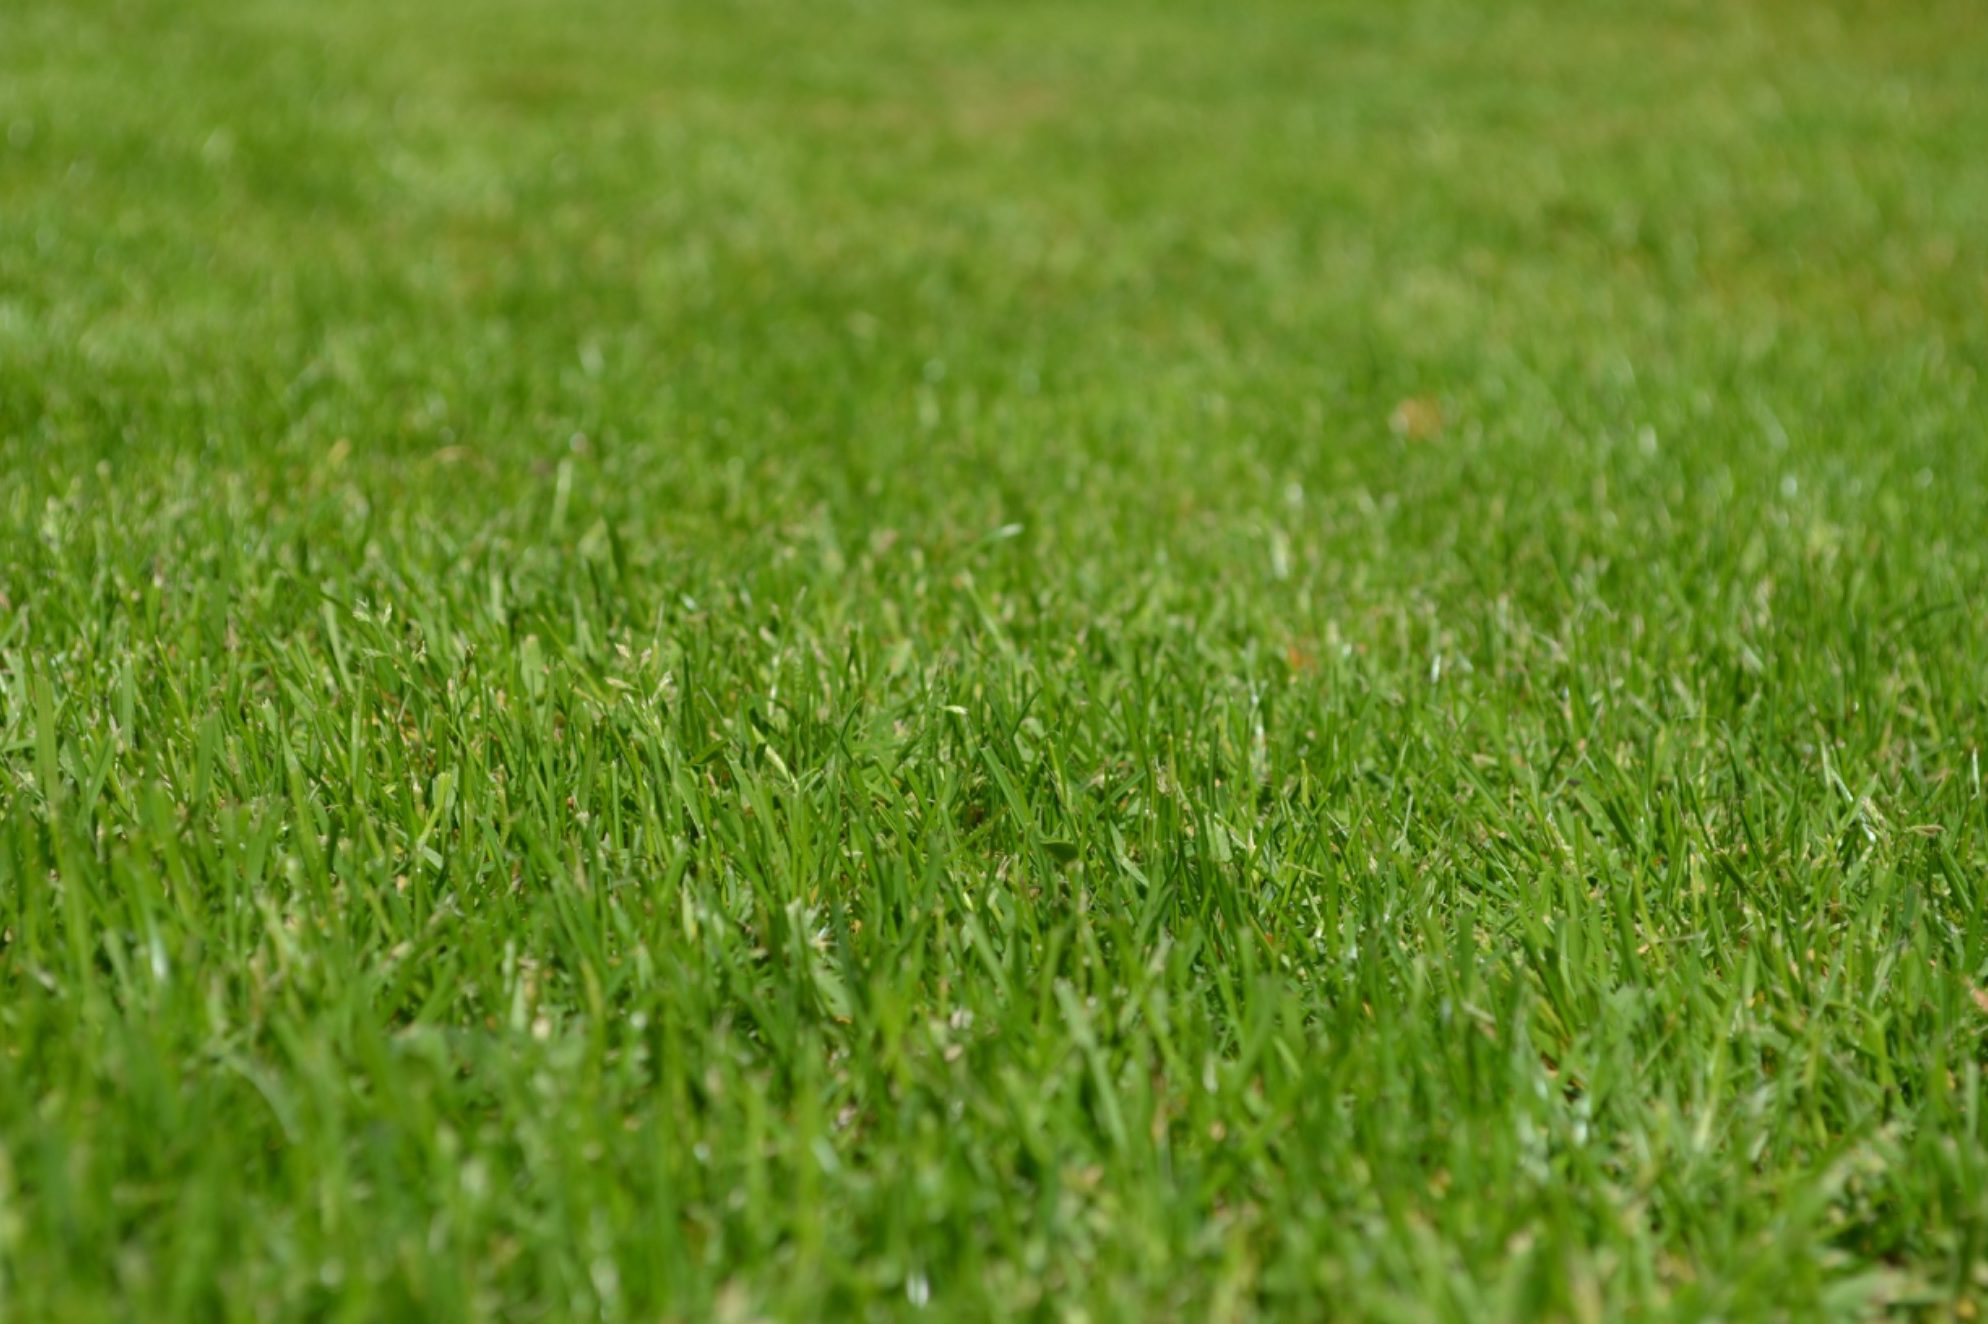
667 660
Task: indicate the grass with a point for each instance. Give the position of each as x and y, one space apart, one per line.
864 659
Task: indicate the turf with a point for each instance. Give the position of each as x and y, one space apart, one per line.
1197 661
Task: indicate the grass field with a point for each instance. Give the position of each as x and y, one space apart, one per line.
1148 661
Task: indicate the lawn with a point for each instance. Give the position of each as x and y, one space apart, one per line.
869 659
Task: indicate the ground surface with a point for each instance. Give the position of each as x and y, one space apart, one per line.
1175 660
